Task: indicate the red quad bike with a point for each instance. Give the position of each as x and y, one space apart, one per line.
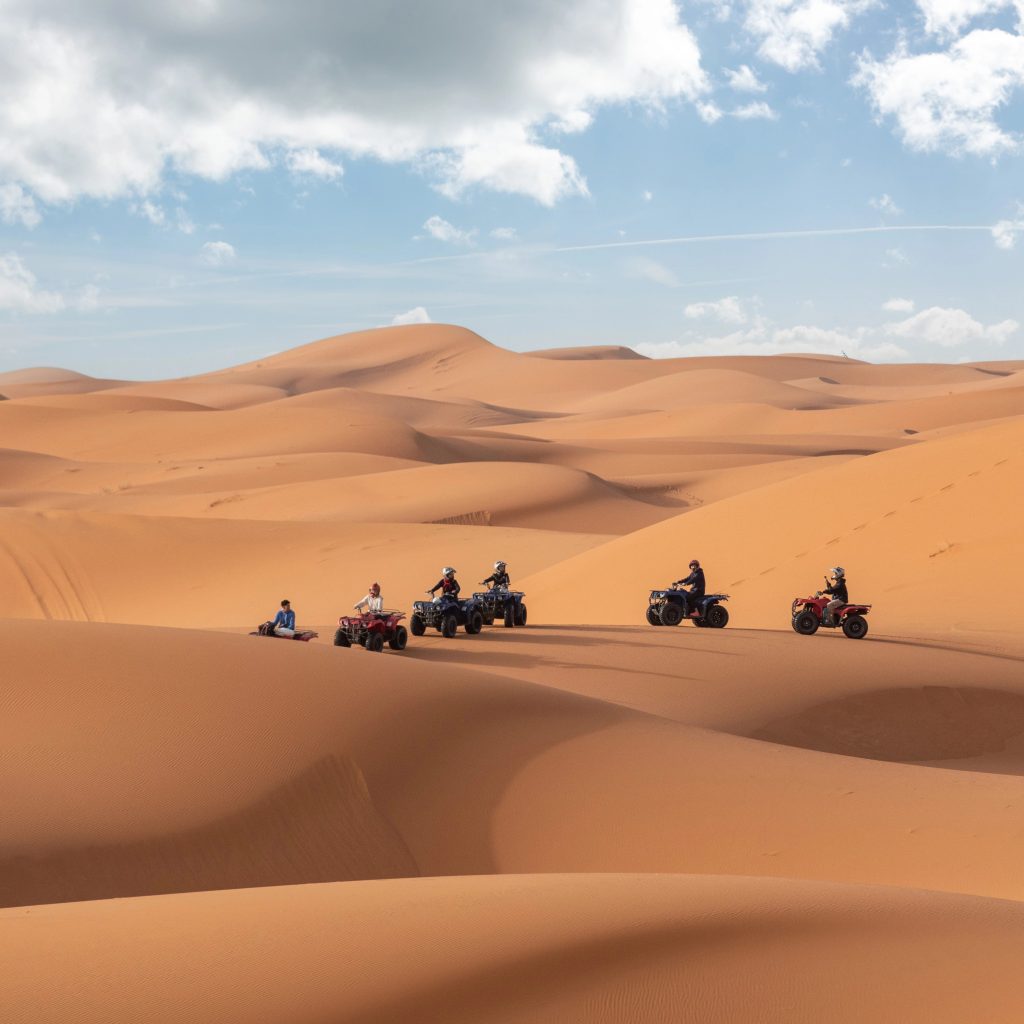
371 630
808 616
267 629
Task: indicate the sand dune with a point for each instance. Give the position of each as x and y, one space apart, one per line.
611 948
588 819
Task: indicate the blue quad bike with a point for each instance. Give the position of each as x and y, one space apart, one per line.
446 616
506 605
667 608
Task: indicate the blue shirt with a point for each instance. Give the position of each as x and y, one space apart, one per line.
285 618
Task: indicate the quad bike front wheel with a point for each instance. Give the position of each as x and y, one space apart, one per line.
341 638
417 625
474 623
510 616
375 642
806 623
398 639
855 627
671 614
653 618
449 626
717 617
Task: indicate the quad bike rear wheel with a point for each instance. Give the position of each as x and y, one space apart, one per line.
417 625
521 615
717 617
671 614
474 623
449 626
653 618
855 627
375 642
806 623
399 638
341 638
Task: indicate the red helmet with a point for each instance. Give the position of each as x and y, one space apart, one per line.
374 588
694 564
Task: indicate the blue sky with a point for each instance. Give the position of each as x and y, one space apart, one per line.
187 187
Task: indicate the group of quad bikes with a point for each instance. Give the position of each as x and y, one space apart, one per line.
372 630
671 606
668 607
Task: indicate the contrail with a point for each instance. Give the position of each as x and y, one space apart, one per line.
757 236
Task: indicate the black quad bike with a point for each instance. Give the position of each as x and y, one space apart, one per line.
503 604
666 608
446 615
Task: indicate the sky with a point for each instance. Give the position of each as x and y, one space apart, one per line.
188 186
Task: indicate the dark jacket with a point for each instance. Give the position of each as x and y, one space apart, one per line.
498 579
838 591
448 588
695 581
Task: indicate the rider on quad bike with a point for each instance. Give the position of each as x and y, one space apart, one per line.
447 584
499 578
373 602
284 620
695 581
840 595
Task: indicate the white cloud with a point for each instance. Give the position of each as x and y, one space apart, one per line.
184 221
18 291
313 163
895 258
153 213
651 270
744 79
947 102
88 299
416 315
1005 232
728 310
885 205
647 195
217 254
763 340
752 111
950 17
709 112
17 206
949 328
504 234
899 306
794 32
104 99
437 227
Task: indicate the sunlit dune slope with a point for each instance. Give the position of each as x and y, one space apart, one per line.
613 949
927 533
191 760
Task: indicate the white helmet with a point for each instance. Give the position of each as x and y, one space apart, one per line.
499 565
447 571
838 572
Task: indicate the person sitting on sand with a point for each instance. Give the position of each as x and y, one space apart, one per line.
499 579
447 584
284 621
373 602
695 581
840 595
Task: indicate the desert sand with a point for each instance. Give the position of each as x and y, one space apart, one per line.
588 819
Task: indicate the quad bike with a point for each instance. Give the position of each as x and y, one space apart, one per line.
666 608
371 630
502 603
267 629
446 614
808 616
